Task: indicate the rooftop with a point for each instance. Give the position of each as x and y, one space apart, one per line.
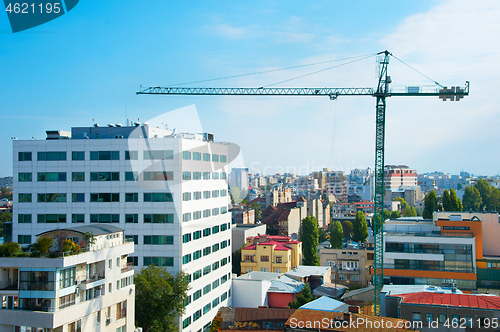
487 302
257 275
325 303
284 284
406 289
306 271
97 229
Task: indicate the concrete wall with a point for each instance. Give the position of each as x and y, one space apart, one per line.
250 293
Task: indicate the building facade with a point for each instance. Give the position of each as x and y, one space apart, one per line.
396 176
89 291
167 191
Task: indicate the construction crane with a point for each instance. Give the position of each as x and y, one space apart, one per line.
381 92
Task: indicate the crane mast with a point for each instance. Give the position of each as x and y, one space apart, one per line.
380 93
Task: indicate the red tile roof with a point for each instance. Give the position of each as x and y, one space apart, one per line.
456 300
279 245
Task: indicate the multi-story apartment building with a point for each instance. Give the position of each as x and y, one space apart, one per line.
337 184
239 178
167 191
6 182
396 176
88 291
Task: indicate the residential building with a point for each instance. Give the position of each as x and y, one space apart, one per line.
306 184
88 291
337 184
396 176
270 254
253 319
6 182
239 178
277 195
361 184
167 191
240 233
285 218
315 275
442 312
241 215
411 194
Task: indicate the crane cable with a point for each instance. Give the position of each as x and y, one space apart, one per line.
364 56
435 82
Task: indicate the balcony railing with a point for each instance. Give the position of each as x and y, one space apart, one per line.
128 267
93 277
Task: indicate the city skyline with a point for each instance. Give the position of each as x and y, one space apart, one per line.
89 64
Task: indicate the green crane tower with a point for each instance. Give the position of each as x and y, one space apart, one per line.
455 93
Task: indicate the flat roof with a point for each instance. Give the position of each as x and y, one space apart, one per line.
98 229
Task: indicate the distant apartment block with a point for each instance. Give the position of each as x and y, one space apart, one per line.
396 176
7 182
239 178
89 291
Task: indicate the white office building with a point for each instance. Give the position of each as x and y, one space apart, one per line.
88 291
167 191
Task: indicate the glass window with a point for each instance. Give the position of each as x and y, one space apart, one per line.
159 261
24 198
197 254
76 218
24 239
104 155
104 218
51 156
197 235
196 156
104 197
197 195
24 177
158 239
186 238
132 218
223 159
158 154
158 176
442 318
131 155
159 218
206 175
78 155
24 156
78 176
131 197
78 197
215 176
417 317
206 194
196 215
186 155
186 196
131 176
206 157
207 231
51 218
24 218
158 197
186 216
186 175
429 317
215 157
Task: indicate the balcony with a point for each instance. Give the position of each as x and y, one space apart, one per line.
93 278
121 314
128 267
7 285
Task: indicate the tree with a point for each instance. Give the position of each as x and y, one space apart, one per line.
309 237
323 235
4 217
472 199
410 211
159 298
418 211
236 261
446 201
347 229
10 249
43 245
430 205
455 202
89 239
258 211
387 215
304 297
6 193
59 236
395 214
336 235
360 228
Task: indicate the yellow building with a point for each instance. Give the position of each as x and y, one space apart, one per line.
270 254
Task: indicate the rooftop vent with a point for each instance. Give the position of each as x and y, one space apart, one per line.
137 124
118 124
110 125
96 125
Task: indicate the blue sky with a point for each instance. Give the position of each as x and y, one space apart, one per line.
88 64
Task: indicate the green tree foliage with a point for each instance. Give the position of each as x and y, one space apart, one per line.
323 235
6 193
455 202
10 249
43 245
418 211
490 196
159 298
347 229
310 238
472 200
257 209
446 201
360 228
387 215
4 217
236 261
395 214
430 205
304 297
89 238
336 235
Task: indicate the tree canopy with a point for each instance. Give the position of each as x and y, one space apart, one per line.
304 297
347 229
336 235
481 197
430 205
159 298
257 209
451 202
360 228
310 240
323 235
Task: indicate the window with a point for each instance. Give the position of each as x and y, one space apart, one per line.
186 217
223 227
51 198
196 235
207 231
196 215
223 262
206 194
24 218
104 218
24 198
215 266
197 195
51 218
105 197
223 210
264 269
215 302
24 177
132 218
223 193
134 238
207 289
158 239
417 317
24 239
196 255
131 155
131 197
159 218
67 277
207 308
264 258
207 251
186 196
78 197
186 175
223 279
158 197
215 229
354 277
158 154
104 176
215 193
24 156
104 155
78 176
429 317
223 175
215 176
133 260
455 319
206 213
186 155
186 322
121 310
186 259
51 156
206 157
78 155
223 297
76 218
215 247
159 261
196 315
223 159
215 211
206 175
196 175
51 176
442 318
197 275
186 238
131 176
215 157
196 156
